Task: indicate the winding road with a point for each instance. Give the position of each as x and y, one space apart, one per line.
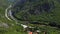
10 14
6 12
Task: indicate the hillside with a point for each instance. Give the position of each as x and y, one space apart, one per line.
40 14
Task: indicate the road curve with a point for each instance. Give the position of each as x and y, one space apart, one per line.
6 11
10 14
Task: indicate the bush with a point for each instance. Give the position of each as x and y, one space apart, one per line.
53 24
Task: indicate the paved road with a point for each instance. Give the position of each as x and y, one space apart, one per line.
6 12
10 14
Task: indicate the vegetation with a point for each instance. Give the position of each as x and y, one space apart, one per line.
40 11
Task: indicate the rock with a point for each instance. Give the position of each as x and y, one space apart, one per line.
5 25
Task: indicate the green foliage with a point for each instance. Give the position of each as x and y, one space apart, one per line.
17 29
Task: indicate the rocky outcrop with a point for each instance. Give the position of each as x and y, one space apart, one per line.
5 25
